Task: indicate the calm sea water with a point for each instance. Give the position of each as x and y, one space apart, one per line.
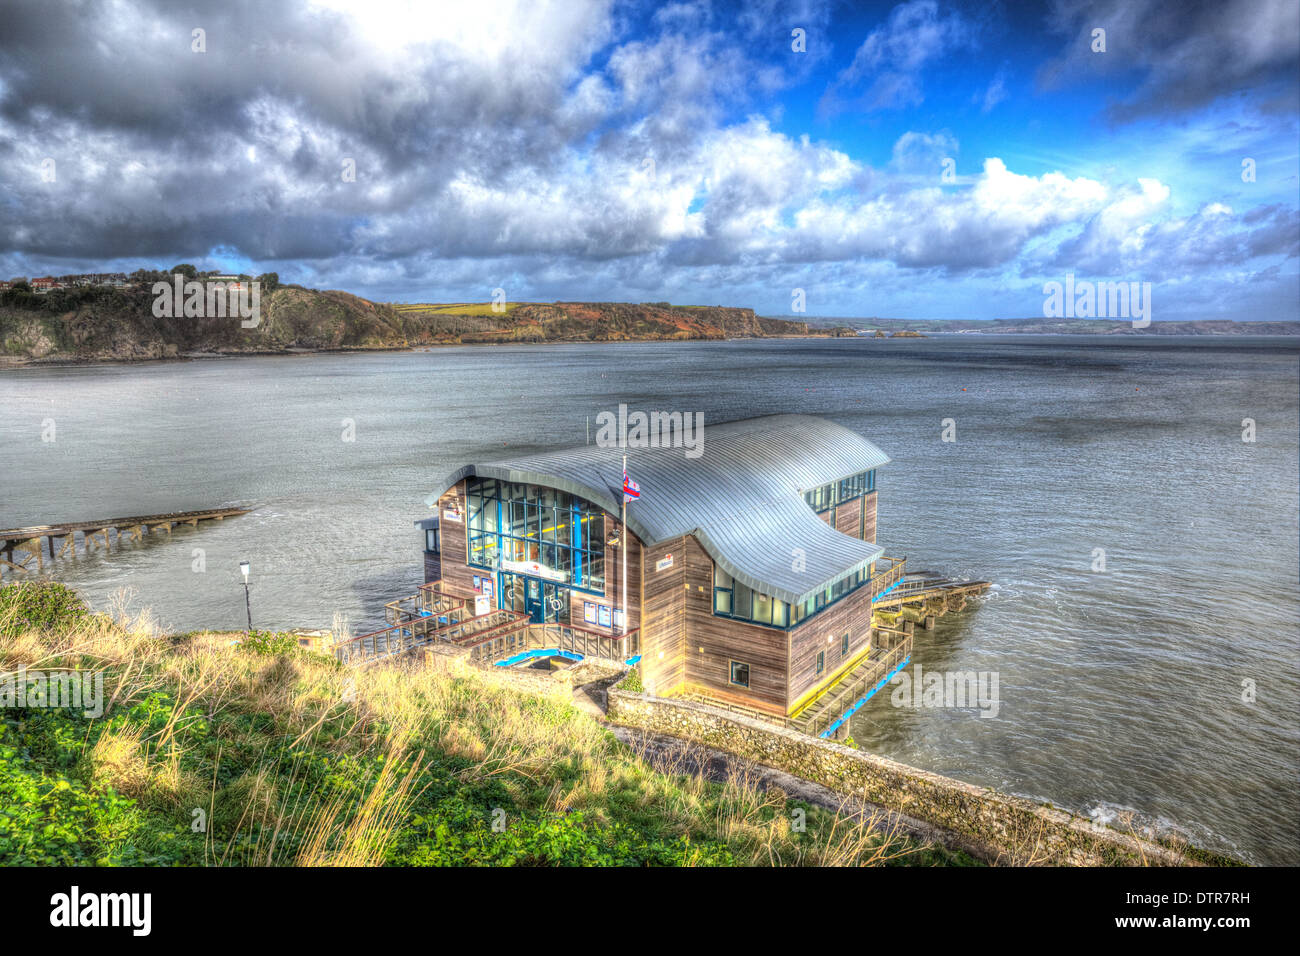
1119 690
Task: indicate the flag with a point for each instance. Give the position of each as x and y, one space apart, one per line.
631 490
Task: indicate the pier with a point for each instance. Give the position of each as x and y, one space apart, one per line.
32 544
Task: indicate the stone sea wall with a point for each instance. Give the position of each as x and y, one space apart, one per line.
1000 828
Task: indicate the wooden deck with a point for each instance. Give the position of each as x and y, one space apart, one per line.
440 612
926 587
32 542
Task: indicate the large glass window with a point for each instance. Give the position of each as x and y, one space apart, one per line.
825 497
731 598
510 521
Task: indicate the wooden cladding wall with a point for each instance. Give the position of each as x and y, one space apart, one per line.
452 536
663 610
823 634
432 567
869 517
713 642
848 518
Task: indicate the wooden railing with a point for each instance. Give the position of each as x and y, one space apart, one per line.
588 643
563 637
430 600
490 637
882 581
865 676
385 642
457 626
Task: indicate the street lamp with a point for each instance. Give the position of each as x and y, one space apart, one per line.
243 569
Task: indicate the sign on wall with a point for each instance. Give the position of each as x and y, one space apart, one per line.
535 569
664 563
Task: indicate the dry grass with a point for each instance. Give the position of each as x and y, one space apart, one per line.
548 756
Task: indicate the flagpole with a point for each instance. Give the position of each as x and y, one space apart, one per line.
623 630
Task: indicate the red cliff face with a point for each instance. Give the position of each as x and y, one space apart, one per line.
608 322
110 325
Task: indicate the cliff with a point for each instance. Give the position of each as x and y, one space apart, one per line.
102 324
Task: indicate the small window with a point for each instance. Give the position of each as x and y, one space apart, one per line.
431 540
821 662
844 644
740 674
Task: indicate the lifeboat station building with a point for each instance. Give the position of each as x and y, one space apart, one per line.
752 567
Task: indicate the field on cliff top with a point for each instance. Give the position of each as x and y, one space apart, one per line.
110 324
213 753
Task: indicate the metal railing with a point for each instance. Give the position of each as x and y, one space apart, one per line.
857 683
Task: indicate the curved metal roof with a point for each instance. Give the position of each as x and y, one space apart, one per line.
742 497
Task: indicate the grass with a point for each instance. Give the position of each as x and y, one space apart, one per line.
463 308
265 754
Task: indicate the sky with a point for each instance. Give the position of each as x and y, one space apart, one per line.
921 159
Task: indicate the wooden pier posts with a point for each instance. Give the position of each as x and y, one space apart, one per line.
36 540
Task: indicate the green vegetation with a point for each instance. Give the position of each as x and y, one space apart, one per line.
210 753
40 605
631 682
460 308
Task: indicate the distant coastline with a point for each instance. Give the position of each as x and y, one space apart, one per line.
1041 326
112 324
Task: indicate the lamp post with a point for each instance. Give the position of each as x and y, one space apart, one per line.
243 569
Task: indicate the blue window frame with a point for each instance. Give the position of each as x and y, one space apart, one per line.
511 521
825 497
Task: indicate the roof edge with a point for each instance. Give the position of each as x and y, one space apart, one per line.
611 506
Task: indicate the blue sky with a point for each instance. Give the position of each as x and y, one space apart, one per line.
635 152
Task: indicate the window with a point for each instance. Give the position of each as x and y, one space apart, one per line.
821 498
744 600
511 521
740 674
733 599
825 497
722 591
780 614
431 542
844 645
821 662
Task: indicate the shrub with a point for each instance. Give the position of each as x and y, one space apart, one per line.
269 643
632 682
46 605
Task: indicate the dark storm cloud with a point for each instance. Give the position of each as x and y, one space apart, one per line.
549 148
1189 53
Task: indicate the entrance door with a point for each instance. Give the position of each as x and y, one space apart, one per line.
534 605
